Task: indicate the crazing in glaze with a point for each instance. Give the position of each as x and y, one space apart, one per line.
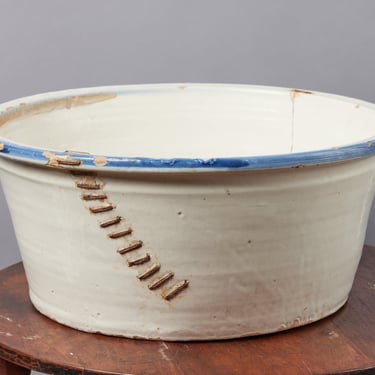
89 183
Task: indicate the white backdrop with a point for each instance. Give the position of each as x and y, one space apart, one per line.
325 45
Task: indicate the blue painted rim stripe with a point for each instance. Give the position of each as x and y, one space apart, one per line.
35 155
359 150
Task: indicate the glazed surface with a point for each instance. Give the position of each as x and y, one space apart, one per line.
189 121
262 251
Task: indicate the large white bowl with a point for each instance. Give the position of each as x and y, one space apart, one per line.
188 212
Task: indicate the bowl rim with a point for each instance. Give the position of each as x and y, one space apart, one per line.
77 160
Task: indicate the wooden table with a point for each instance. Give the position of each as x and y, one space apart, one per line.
342 343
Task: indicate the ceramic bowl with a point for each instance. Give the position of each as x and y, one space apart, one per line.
188 212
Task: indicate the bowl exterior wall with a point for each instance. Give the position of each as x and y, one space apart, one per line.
252 252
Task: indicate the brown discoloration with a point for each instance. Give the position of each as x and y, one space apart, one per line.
369 144
149 271
100 161
132 246
295 92
161 280
176 289
77 152
182 87
109 222
104 208
137 261
93 196
1 146
298 166
48 106
120 233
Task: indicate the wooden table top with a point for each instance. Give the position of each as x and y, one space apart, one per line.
342 343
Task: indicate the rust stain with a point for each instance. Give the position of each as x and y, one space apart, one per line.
109 222
369 144
48 106
176 289
295 92
100 161
137 261
149 271
1 146
160 280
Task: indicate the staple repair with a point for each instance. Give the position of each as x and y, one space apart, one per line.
149 271
176 289
120 233
140 260
93 197
104 208
160 280
109 222
132 246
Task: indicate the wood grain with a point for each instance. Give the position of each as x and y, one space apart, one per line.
8 368
342 343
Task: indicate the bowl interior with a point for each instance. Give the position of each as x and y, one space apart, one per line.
187 121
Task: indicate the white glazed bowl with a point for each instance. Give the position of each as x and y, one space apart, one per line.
188 212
